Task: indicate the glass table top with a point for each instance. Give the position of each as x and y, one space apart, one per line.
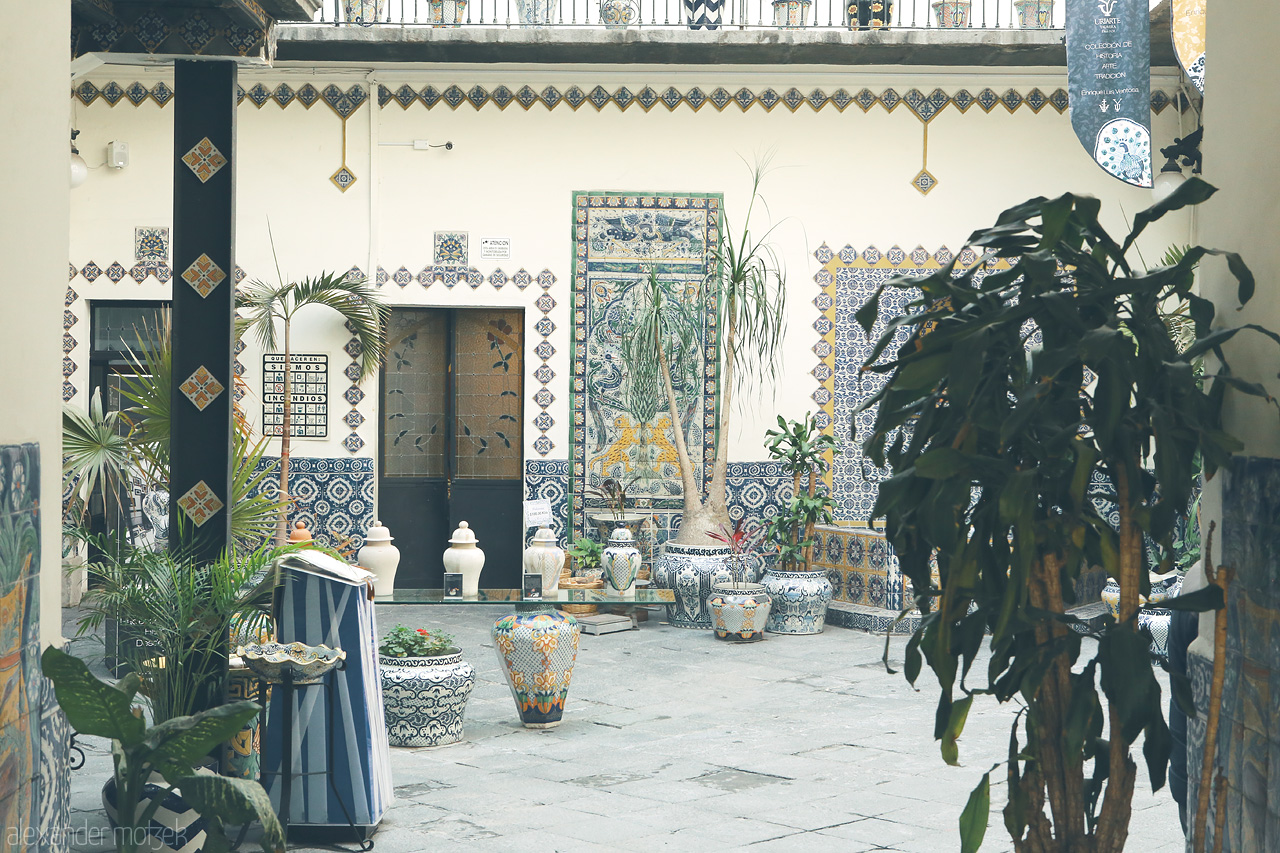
643 595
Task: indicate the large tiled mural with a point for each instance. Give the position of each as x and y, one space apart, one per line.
846 281
621 425
20 679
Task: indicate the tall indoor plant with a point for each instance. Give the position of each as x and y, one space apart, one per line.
269 311
993 443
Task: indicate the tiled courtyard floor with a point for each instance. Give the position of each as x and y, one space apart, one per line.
673 740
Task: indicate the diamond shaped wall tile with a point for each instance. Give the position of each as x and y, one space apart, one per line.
545 303
343 178
522 279
543 445
69 318
68 367
896 256
203 275
822 349
544 421
545 279
823 254
115 272
544 350
352 372
204 160
544 326
68 343
353 395
498 278
402 276
200 503
91 271
544 374
353 348
201 388
353 419
353 443
544 398
924 182
871 255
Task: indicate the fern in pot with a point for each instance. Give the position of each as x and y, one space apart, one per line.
425 686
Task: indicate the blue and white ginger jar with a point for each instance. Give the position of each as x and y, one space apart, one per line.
621 562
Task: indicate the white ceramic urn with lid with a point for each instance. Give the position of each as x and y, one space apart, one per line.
465 556
380 557
544 557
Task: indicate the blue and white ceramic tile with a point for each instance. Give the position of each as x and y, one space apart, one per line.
334 496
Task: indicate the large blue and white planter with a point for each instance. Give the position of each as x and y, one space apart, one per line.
690 571
799 600
424 698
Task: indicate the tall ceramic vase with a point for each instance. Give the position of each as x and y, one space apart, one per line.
465 556
621 562
380 557
537 652
543 557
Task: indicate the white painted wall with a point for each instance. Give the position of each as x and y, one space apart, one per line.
33 238
837 178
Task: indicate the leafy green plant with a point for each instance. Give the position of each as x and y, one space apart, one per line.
748 286
613 493
184 612
992 446
586 553
802 448
97 455
172 748
266 305
402 642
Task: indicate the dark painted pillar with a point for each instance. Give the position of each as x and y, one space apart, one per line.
203 306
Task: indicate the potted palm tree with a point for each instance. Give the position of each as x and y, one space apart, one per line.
268 313
749 293
800 595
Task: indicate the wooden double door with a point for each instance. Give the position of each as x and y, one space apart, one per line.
451 443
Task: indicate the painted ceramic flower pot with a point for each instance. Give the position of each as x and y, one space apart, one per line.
799 601
242 753
739 611
424 698
621 562
790 14
690 571
363 12
952 14
176 826
448 13
869 14
536 13
1034 14
704 14
536 652
544 557
617 14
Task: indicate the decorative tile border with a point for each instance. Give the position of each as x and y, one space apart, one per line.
344 102
846 280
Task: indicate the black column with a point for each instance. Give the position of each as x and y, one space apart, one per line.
203 306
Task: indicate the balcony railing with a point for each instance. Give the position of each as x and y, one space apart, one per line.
952 15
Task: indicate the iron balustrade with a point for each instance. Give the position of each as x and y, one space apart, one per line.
674 14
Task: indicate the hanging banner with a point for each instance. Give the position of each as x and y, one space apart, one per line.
1109 84
1188 38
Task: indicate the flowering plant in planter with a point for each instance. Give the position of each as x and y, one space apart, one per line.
746 538
402 642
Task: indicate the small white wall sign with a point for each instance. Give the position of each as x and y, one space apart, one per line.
537 513
495 248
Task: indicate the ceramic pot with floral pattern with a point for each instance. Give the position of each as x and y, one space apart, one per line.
537 652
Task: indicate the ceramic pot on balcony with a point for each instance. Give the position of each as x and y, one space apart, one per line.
424 697
448 13
618 14
1034 14
363 12
790 14
536 13
704 14
869 14
952 14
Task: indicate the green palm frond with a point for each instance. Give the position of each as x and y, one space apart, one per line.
97 453
357 303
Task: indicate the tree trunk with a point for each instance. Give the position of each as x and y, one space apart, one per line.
282 526
694 526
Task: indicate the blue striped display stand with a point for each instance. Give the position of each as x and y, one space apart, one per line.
325 601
